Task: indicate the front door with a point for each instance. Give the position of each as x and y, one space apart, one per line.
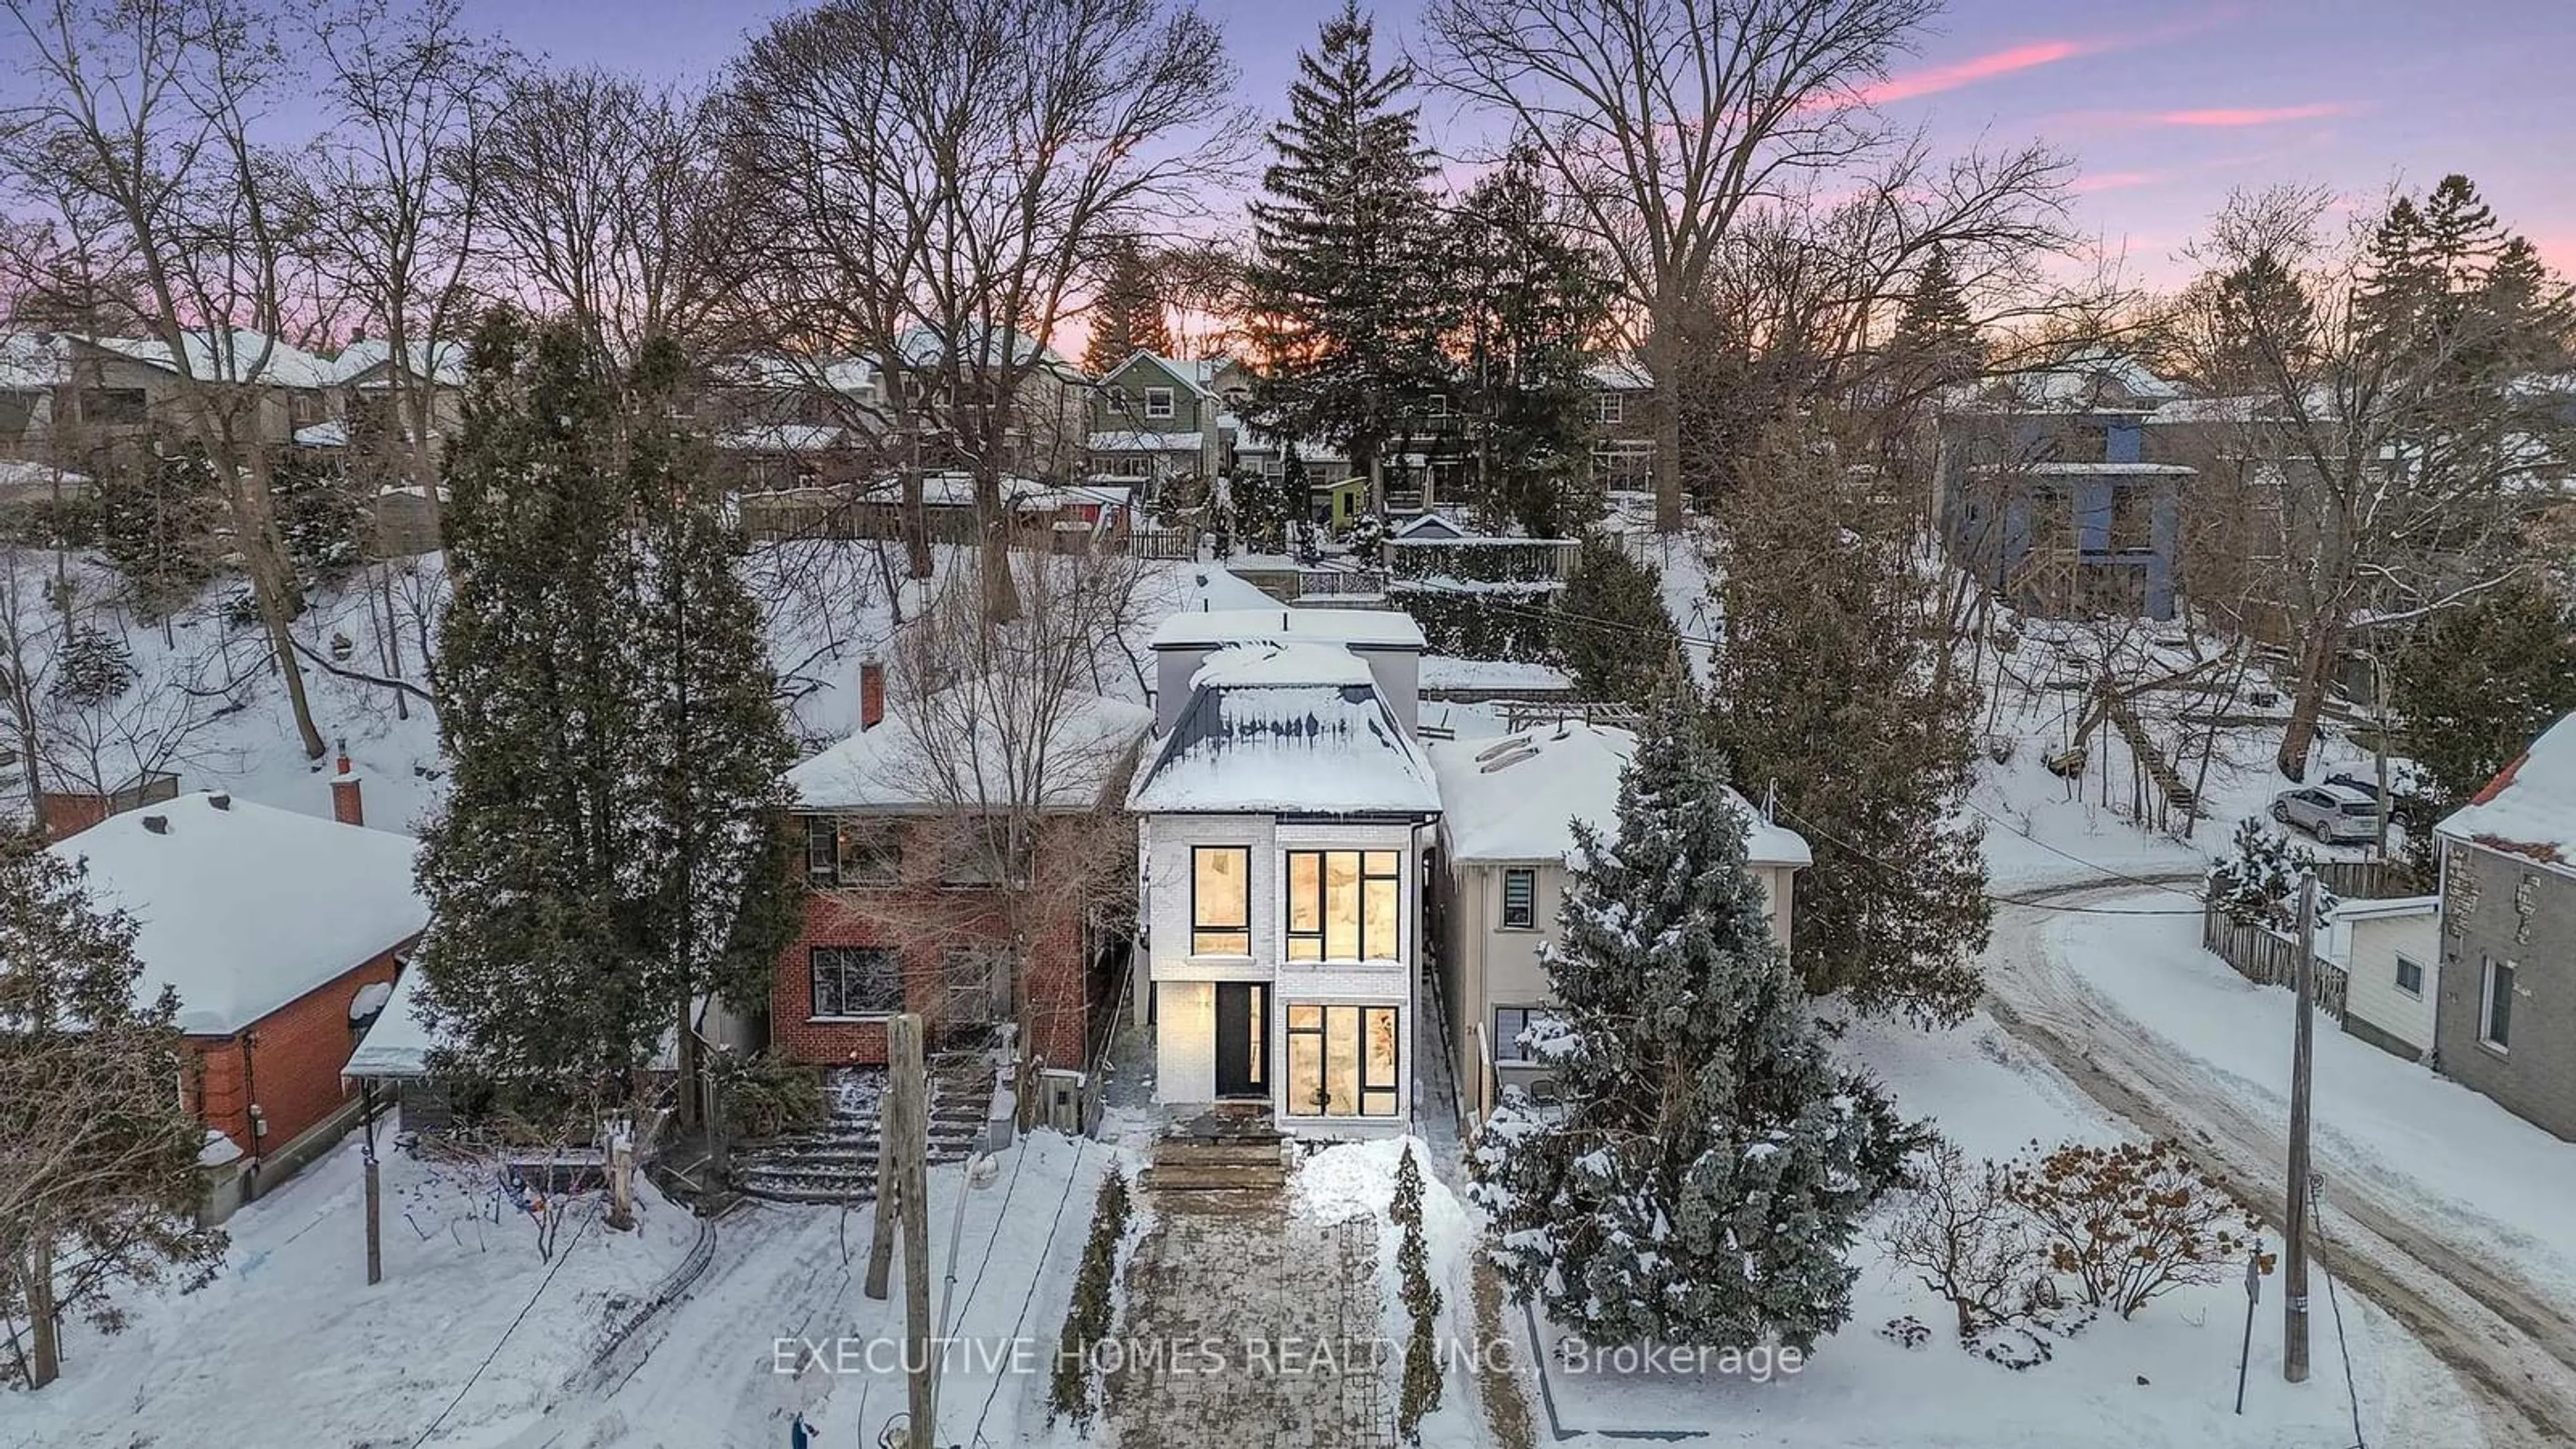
1242 1039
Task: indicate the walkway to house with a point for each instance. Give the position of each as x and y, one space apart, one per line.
1250 1323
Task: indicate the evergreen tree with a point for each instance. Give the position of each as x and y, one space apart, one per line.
2259 883
1709 1166
98 1156
1612 626
1827 691
1345 315
156 515
2476 685
612 847
1936 344
1263 509
318 516
2259 305
1526 300
1128 315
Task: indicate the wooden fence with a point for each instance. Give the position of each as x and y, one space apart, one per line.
2265 956
1164 543
2370 880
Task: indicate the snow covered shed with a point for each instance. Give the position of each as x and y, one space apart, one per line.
269 925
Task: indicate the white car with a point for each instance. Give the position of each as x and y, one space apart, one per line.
2334 814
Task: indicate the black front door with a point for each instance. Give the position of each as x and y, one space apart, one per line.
1242 1039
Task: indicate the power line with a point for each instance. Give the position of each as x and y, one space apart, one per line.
524 1310
2094 866
2001 900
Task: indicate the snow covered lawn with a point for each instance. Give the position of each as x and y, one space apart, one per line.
2166 1377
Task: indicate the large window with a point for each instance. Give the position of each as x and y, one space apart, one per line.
2495 1005
856 981
113 405
1341 1061
1520 898
1343 904
851 852
1221 900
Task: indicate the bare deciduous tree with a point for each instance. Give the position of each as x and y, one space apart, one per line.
141 116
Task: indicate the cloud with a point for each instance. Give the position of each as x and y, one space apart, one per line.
2028 56
2116 181
2250 115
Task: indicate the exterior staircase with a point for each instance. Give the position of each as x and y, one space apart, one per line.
836 1161
1225 1149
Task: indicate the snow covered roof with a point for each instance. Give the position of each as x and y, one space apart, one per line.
1621 374
29 362
22 478
850 376
242 907
439 362
398 1045
329 433
234 356
2091 470
2371 910
1127 440
1514 798
1356 628
890 769
1429 526
2529 808
1287 729
924 347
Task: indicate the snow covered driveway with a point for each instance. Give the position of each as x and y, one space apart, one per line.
2442 1207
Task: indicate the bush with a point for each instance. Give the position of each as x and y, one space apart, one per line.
1419 1393
2128 1223
1614 635
1474 560
1091 1317
766 1094
2259 884
1965 1237
1490 622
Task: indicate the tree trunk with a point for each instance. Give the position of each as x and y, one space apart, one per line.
48 1364
916 525
272 581
686 1059
2325 645
1663 363
993 557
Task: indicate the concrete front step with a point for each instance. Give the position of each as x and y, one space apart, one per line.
1179 1153
1215 1177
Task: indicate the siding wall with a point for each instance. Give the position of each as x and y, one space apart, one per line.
2372 997
2499 906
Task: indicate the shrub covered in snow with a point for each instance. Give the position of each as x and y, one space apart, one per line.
1419 1393
1094 1310
2258 885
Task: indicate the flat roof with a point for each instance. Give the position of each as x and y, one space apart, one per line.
1355 628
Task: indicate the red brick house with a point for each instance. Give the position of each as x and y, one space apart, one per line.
906 909
272 927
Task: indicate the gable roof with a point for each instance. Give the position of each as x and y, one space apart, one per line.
230 356
2529 808
1514 799
1621 374
439 362
30 362
1295 728
242 907
889 770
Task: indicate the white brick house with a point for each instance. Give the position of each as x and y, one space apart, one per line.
1283 820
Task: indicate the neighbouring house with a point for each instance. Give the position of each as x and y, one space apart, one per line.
2390 950
2046 493
905 907
1286 818
279 932
364 378
2505 1018
32 375
1050 409
1623 436
779 420
68 808
1157 418
122 386
1506 841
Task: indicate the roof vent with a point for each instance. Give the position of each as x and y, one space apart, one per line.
157 824
220 800
1507 761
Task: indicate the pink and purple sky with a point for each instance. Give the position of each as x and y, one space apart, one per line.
2167 106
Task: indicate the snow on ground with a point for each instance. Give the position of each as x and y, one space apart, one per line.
2164 1378
1357 1180
2439 1142
288 1345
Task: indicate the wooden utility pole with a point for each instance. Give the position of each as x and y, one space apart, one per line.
375 1193
903 1194
2294 1296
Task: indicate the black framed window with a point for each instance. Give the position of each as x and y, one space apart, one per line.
1342 1060
851 852
1520 898
2495 1016
856 981
1343 905
2410 977
1221 900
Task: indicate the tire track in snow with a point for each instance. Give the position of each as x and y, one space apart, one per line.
2512 1345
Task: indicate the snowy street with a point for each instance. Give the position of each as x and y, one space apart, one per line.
2477 1265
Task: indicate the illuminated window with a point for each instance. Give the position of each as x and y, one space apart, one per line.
1221 900
1343 904
1342 1061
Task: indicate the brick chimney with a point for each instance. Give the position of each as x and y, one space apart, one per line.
871 694
345 804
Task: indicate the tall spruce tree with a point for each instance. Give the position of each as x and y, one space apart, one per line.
1527 299
1826 691
2477 683
610 851
1127 317
1612 626
1710 1165
1345 320
98 1157
1936 344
